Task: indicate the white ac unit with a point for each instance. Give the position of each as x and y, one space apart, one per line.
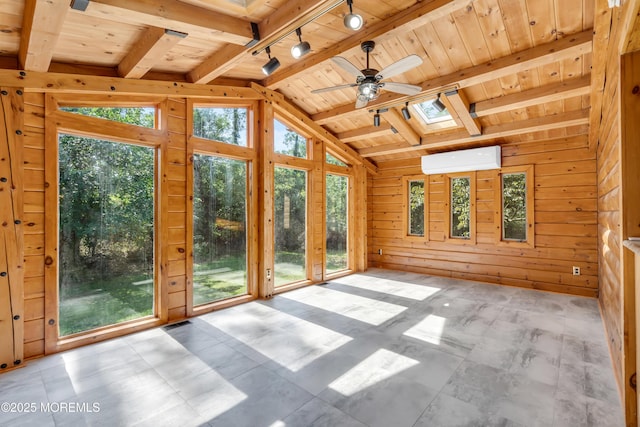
474 159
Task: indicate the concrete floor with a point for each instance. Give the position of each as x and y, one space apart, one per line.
383 348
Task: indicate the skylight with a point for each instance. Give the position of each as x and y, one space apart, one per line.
431 114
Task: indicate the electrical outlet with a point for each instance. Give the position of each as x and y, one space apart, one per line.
268 273
576 271
379 251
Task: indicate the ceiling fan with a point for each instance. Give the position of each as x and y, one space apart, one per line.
369 81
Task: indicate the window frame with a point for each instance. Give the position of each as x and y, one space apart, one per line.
472 208
406 181
287 158
345 173
528 170
62 122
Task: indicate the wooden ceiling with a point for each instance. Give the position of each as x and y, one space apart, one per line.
523 66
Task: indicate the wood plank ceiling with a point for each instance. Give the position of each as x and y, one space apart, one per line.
523 66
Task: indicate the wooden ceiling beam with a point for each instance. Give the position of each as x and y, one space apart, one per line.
153 45
540 95
365 133
286 18
459 103
41 26
454 139
172 14
395 119
409 19
292 112
567 47
73 83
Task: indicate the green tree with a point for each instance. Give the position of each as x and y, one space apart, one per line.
460 207
514 206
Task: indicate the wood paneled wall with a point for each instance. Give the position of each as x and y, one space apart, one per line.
613 28
565 222
172 216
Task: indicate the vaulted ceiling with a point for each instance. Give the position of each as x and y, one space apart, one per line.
514 70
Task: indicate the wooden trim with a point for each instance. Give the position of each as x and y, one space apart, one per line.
41 27
101 100
403 126
413 17
530 200
174 15
406 180
472 208
51 229
152 46
202 145
293 162
12 231
286 109
266 214
629 216
94 127
161 215
566 47
191 143
459 103
452 139
365 133
72 83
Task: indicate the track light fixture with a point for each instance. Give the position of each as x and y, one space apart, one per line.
376 118
405 111
272 65
438 105
301 48
352 21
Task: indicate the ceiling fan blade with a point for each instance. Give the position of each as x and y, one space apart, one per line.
399 67
360 102
327 89
347 66
403 88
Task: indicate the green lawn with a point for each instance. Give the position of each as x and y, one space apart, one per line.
93 304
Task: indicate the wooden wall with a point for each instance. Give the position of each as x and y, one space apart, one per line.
38 120
565 222
614 28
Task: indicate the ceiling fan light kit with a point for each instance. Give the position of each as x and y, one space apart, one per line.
369 80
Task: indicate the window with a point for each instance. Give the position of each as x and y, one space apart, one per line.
288 142
516 206
138 116
460 198
460 208
415 212
290 225
223 124
430 114
219 228
332 160
337 221
106 233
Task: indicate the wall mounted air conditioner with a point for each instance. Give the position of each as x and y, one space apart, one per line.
474 159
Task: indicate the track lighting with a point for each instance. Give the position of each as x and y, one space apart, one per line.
376 118
438 105
405 112
301 48
352 21
272 65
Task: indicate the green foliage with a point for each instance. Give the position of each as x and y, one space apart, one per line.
332 160
139 116
460 207
289 142
416 208
336 219
221 124
514 206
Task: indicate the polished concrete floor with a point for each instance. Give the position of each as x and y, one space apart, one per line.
383 348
